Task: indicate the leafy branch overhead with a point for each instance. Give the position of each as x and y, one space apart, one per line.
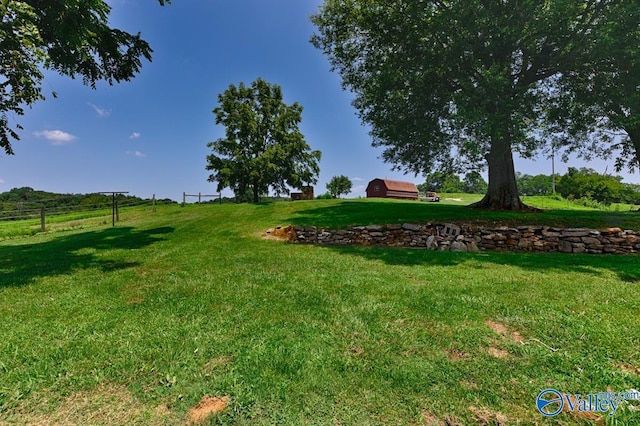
263 147
71 37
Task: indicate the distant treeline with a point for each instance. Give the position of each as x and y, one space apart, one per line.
582 184
20 203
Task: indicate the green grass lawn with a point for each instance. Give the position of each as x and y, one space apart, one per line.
135 324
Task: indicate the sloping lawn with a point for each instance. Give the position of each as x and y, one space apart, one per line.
136 324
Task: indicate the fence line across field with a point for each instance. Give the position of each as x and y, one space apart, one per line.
114 209
200 197
43 212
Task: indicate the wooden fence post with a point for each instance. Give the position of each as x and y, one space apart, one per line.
153 204
42 221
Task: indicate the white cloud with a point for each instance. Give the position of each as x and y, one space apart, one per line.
57 137
102 112
2 181
137 154
135 135
357 179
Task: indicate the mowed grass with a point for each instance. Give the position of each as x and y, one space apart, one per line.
135 324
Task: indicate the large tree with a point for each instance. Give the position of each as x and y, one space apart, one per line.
72 37
461 79
263 147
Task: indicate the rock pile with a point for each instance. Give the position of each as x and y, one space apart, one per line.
452 237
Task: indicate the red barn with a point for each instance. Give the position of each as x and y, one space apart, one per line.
385 188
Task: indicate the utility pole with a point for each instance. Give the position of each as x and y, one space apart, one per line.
553 168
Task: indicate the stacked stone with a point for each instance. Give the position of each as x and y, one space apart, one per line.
473 238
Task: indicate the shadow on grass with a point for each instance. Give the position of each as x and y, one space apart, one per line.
21 264
627 268
366 212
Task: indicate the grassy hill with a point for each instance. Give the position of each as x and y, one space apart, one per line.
135 324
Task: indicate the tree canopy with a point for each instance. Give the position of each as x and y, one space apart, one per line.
461 81
71 37
339 185
599 110
263 147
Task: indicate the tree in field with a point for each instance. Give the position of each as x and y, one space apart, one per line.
433 182
534 185
339 185
263 147
70 37
474 183
452 184
463 79
587 183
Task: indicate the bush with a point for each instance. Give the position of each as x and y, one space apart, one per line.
590 202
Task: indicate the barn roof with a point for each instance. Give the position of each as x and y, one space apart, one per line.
397 185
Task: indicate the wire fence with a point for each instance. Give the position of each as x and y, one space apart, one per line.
49 214
34 209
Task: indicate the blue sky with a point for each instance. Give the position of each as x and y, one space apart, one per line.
149 136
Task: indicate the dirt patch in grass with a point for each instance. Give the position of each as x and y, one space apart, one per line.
506 334
431 419
207 407
630 369
498 353
217 362
357 350
486 417
456 355
504 331
497 327
516 337
451 420
135 301
468 385
108 404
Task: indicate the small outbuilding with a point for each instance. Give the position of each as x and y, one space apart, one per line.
306 194
385 188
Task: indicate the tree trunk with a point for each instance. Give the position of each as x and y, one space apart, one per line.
502 193
634 136
256 194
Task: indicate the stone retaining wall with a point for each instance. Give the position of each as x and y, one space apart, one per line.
454 237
